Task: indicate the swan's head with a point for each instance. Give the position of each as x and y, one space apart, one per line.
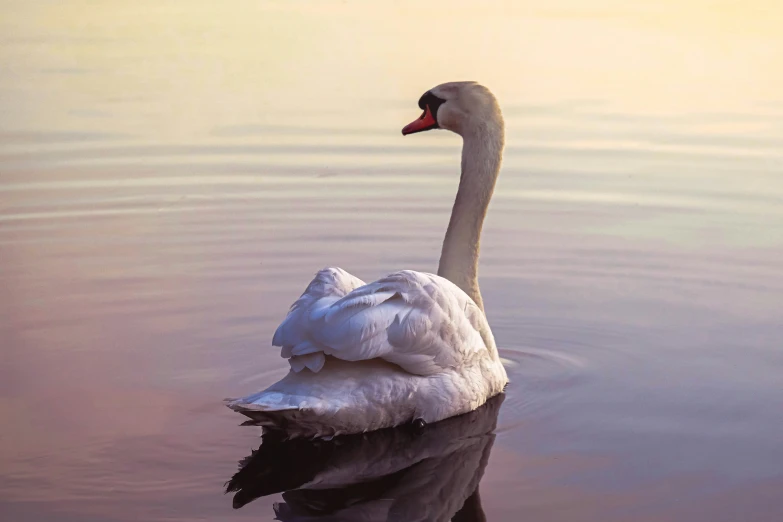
455 106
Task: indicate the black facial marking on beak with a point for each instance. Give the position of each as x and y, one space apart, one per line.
433 102
429 103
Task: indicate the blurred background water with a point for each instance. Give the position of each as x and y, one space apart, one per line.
172 173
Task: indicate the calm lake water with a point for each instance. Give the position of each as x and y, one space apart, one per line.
172 174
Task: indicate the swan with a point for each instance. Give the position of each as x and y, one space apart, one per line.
412 346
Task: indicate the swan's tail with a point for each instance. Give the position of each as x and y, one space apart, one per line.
272 414
291 415
271 418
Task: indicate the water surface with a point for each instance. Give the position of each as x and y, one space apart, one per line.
172 175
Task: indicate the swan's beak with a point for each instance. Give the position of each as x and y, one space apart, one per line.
425 122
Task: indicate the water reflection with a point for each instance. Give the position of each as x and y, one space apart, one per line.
400 474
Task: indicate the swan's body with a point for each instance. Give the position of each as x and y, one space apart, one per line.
363 357
411 345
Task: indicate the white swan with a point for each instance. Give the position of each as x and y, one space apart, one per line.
411 346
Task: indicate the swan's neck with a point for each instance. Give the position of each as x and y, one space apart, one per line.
482 150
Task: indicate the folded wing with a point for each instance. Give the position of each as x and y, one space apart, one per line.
420 322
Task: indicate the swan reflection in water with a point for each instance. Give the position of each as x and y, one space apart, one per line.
406 473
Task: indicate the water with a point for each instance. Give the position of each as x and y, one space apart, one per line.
173 173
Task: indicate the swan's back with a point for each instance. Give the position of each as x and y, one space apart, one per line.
421 322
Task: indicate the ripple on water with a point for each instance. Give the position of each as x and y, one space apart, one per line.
539 380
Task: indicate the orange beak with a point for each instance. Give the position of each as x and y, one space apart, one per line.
425 122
